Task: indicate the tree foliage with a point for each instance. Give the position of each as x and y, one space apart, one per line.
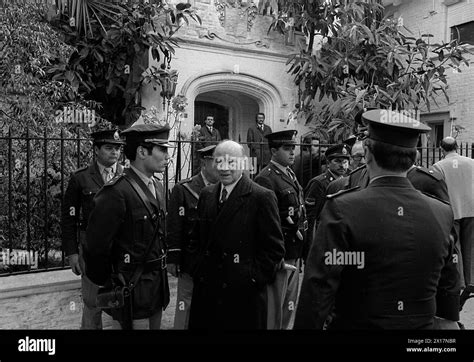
112 42
363 59
29 102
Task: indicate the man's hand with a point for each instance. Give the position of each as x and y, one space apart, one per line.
74 263
173 269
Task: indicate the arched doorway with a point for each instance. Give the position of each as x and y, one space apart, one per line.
233 112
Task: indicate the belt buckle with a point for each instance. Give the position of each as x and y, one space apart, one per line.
305 225
163 262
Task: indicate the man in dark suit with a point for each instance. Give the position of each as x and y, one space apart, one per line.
239 247
125 236
182 215
77 205
382 257
257 143
278 177
208 134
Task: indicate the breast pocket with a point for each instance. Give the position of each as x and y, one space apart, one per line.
142 226
87 202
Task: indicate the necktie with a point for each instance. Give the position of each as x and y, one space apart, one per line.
291 174
210 129
109 173
223 196
151 187
261 128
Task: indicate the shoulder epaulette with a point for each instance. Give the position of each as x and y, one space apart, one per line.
339 193
437 176
114 180
436 198
357 169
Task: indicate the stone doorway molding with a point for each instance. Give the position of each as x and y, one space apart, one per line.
268 97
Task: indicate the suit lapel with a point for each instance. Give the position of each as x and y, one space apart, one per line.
95 174
144 188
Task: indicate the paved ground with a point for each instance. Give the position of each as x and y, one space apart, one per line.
467 315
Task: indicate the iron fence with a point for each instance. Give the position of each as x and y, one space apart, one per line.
35 170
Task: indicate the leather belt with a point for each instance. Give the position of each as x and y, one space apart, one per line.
150 265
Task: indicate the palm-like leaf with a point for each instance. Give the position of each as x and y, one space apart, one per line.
87 12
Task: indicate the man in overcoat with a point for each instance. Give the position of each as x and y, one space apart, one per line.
239 247
257 142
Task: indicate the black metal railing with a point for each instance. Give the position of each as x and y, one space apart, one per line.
35 170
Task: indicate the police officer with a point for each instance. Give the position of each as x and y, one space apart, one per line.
428 181
125 236
182 214
279 177
77 205
315 194
382 256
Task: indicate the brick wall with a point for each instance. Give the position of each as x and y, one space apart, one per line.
433 17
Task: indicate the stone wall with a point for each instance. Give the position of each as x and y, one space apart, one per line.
52 300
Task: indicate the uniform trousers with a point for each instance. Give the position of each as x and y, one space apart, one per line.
281 297
183 301
154 322
91 315
465 231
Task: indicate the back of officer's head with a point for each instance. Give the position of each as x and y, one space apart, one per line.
390 157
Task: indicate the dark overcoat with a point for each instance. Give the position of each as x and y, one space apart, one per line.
119 231
77 205
260 150
239 250
408 273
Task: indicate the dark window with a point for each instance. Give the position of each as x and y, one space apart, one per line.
463 32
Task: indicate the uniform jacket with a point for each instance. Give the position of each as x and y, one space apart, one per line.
427 181
207 138
408 272
238 252
458 172
290 206
254 134
119 231
315 197
182 216
77 204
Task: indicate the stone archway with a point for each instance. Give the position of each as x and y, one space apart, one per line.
226 85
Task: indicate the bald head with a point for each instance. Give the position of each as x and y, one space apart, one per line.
231 148
449 144
228 159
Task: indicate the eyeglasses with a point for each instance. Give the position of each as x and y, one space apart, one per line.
362 135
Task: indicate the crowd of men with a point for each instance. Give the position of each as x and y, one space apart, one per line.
374 235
